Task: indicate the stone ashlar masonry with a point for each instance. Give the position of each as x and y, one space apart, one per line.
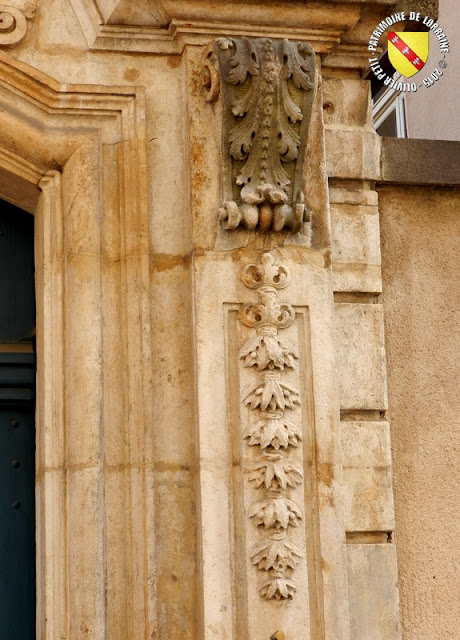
213 453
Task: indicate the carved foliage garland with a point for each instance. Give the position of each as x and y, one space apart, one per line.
273 432
266 89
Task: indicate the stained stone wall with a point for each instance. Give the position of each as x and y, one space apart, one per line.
213 444
420 257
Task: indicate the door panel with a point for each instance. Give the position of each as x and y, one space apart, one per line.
17 425
17 519
17 297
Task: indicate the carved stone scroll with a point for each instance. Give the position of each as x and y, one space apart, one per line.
273 432
267 92
13 21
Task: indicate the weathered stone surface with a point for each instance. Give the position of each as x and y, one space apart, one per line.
358 195
420 162
355 234
425 7
373 592
177 23
223 419
355 240
14 21
360 356
352 153
346 102
420 258
158 515
360 278
368 495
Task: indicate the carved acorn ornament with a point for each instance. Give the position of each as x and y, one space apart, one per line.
267 89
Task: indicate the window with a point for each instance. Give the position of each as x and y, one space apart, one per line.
389 112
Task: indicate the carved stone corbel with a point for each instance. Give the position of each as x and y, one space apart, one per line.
267 91
13 21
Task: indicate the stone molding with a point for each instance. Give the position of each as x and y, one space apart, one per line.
167 27
13 21
339 31
20 177
85 147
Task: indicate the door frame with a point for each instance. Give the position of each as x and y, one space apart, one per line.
75 156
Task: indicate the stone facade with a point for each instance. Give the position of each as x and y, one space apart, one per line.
213 444
420 229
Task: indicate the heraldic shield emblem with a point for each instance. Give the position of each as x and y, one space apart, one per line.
408 51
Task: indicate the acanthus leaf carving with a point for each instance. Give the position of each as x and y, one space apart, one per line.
266 87
276 475
277 588
268 352
271 396
276 512
273 433
277 555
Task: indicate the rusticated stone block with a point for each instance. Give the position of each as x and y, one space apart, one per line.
368 496
352 153
373 592
361 356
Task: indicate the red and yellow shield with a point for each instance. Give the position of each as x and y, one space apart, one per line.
408 51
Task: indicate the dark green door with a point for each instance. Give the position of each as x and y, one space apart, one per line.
17 426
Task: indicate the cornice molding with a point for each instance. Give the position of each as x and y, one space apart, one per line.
57 104
196 22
